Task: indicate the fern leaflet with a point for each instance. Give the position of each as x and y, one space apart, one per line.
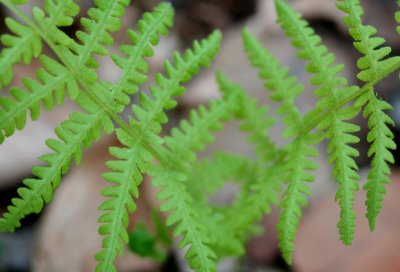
373 66
263 192
182 145
75 133
26 43
54 80
338 131
285 89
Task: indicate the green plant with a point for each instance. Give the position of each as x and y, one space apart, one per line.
210 232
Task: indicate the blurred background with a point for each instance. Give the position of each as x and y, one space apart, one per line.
64 237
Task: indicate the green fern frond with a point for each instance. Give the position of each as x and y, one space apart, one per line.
285 89
22 46
53 81
182 145
345 168
126 175
373 67
102 19
331 89
257 198
205 178
222 237
149 118
282 88
61 13
150 115
381 139
79 131
253 118
208 175
26 42
179 203
134 67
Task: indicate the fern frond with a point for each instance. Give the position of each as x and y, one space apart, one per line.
222 237
254 118
209 175
338 131
22 46
381 139
53 81
257 198
103 19
182 145
373 67
149 118
298 167
179 203
26 42
79 131
134 67
285 89
126 175
150 115
282 87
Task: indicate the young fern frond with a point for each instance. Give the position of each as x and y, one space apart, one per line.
210 174
182 145
134 67
284 89
264 191
75 133
53 82
298 166
14 52
102 19
133 158
332 88
26 42
373 66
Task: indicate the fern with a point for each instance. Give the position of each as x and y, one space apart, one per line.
381 138
338 131
26 43
79 131
149 117
52 85
14 52
207 231
285 89
264 189
210 174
